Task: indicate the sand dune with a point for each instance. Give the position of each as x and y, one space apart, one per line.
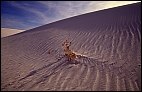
8 31
107 44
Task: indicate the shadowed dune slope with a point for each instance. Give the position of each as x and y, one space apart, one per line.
107 44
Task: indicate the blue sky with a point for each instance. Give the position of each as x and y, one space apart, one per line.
29 14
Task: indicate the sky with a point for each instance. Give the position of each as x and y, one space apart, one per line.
24 15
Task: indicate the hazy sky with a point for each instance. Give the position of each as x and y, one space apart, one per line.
29 14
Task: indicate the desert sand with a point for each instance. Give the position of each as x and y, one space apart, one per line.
107 44
9 31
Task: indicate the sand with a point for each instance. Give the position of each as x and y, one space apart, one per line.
9 31
107 44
